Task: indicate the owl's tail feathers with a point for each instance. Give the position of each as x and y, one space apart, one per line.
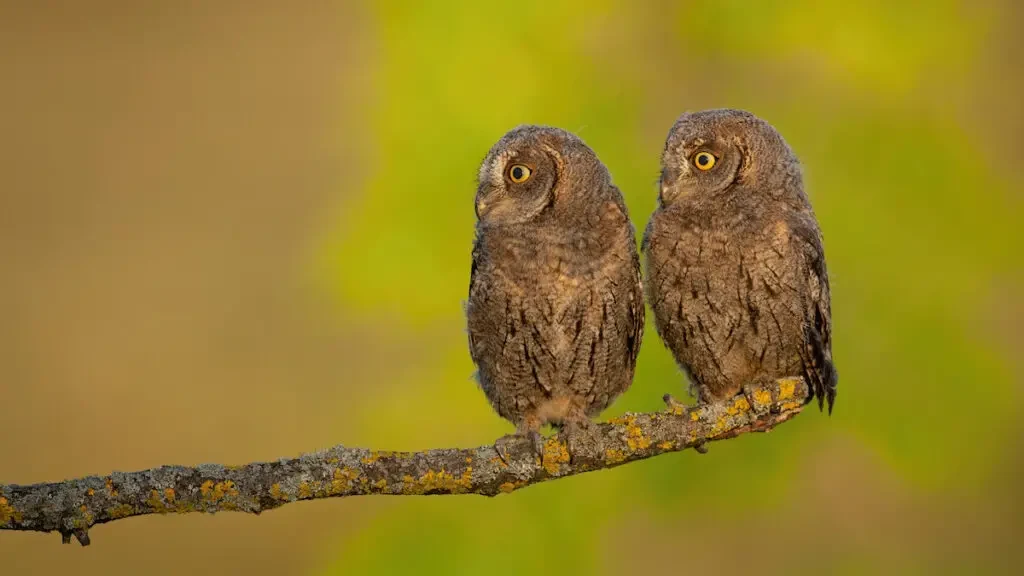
827 387
821 376
822 381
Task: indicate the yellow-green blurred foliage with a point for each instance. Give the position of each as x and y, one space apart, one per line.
234 231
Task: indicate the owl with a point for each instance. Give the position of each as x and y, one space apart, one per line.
735 266
555 313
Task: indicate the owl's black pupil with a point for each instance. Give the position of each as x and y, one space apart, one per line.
702 159
517 173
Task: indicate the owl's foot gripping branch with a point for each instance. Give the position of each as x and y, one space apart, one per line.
72 507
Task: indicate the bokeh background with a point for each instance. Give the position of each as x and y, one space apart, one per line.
235 231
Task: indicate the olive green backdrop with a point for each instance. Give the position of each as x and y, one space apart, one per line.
234 231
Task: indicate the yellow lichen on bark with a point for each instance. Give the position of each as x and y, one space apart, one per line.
121 511
555 454
787 387
276 493
156 503
720 425
373 457
613 456
762 397
739 406
635 437
439 481
86 520
7 512
215 492
342 480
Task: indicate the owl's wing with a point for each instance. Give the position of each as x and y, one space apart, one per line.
507 338
612 311
472 282
819 370
637 308
637 305
646 238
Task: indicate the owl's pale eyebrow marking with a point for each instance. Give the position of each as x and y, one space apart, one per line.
497 167
555 155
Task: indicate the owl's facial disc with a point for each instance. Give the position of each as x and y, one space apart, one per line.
517 185
699 166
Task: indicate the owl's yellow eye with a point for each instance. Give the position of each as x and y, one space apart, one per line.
704 160
518 173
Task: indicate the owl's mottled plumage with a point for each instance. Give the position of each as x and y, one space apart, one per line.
736 273
555 310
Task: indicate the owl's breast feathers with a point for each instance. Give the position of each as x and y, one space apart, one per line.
742 298
556 310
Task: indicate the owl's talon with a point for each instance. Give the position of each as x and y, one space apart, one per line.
501 449
701 448
749 391
580 439
502 445
672 403
537 443
694 390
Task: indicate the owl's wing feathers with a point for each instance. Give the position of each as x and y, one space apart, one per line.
485 330
819 370
609 320
637 309
472 284
512 358
634 327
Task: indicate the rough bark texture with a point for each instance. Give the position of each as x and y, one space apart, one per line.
71 507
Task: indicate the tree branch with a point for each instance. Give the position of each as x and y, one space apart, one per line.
73 506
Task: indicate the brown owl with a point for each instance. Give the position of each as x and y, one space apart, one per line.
736 272
555 311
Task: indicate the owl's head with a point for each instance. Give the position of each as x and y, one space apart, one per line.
712 152
533 170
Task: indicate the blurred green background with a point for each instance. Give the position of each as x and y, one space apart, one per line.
235 231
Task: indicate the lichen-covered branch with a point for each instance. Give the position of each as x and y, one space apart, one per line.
71 507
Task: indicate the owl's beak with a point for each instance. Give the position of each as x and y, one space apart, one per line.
665 186
670 186
668 191
663 192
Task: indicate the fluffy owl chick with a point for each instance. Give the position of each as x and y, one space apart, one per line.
736 272
555 311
